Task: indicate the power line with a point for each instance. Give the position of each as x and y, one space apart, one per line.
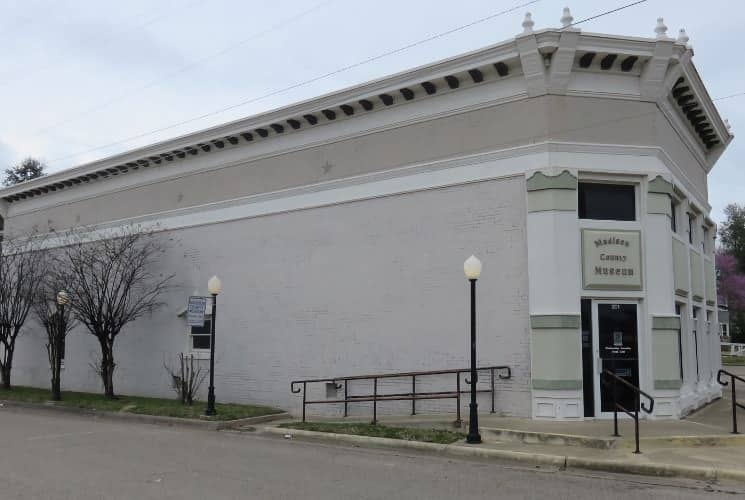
20 75
612 11
297 85
331 73
186 67
729 96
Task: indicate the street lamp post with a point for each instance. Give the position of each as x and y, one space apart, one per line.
214 286
472 268
59 340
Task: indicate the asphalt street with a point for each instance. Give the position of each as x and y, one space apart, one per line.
48 455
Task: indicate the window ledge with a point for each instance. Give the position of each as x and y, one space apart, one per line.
199 354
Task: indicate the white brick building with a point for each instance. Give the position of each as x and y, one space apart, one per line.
573 164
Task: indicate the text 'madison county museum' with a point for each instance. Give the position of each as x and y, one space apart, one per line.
573 164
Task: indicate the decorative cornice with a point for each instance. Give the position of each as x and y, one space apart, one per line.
539 181
660 185
532 50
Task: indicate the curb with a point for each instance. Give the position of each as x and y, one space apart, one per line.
210 425
449 449
533 437
561 461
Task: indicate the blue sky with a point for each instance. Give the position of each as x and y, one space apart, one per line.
79 74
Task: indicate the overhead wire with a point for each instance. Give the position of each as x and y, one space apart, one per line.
296 85
182 69
15 74
328 74
739 94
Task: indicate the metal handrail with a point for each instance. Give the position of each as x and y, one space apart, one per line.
735 404
631 413
298 386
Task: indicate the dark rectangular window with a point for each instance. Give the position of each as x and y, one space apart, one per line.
673 216
201 335
694 331
588 373
704 238
680 341
690 228
607 201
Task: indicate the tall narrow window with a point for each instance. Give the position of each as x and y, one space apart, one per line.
690 228
607 201
704 238
201 335
673 215
694 331
680 342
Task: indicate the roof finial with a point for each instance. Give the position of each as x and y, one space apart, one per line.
683 37
661 29
729 127
528 23
566 18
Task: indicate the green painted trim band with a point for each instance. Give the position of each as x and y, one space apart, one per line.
660 185
681 292
552 199
667 384
710 302
560 321
557 385
698 298
658 204
665 323
539 181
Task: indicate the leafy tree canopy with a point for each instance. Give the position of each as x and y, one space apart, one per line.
732 233
28 169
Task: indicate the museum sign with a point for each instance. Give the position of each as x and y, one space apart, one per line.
611 260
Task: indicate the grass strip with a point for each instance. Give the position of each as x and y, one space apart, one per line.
136 404
376 430
733 360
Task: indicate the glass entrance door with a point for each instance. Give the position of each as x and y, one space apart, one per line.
616 338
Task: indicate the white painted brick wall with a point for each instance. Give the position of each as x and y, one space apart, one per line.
363 287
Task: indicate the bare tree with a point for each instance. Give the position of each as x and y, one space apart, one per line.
58 321
186 378
22 266
112 282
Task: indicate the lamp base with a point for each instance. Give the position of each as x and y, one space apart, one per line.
473 436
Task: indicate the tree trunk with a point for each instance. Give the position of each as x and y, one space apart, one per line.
56 391
107 367
56 374
5 371
6 367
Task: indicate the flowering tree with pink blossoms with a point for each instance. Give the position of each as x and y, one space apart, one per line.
731 283
730 262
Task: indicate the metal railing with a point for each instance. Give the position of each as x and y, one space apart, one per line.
733 349
733 378
633 413
297 386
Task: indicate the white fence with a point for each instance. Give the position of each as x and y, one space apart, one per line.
733 349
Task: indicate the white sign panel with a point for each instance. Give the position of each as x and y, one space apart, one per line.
195 311
611 260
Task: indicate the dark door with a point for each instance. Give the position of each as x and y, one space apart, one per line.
619 353
588 358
